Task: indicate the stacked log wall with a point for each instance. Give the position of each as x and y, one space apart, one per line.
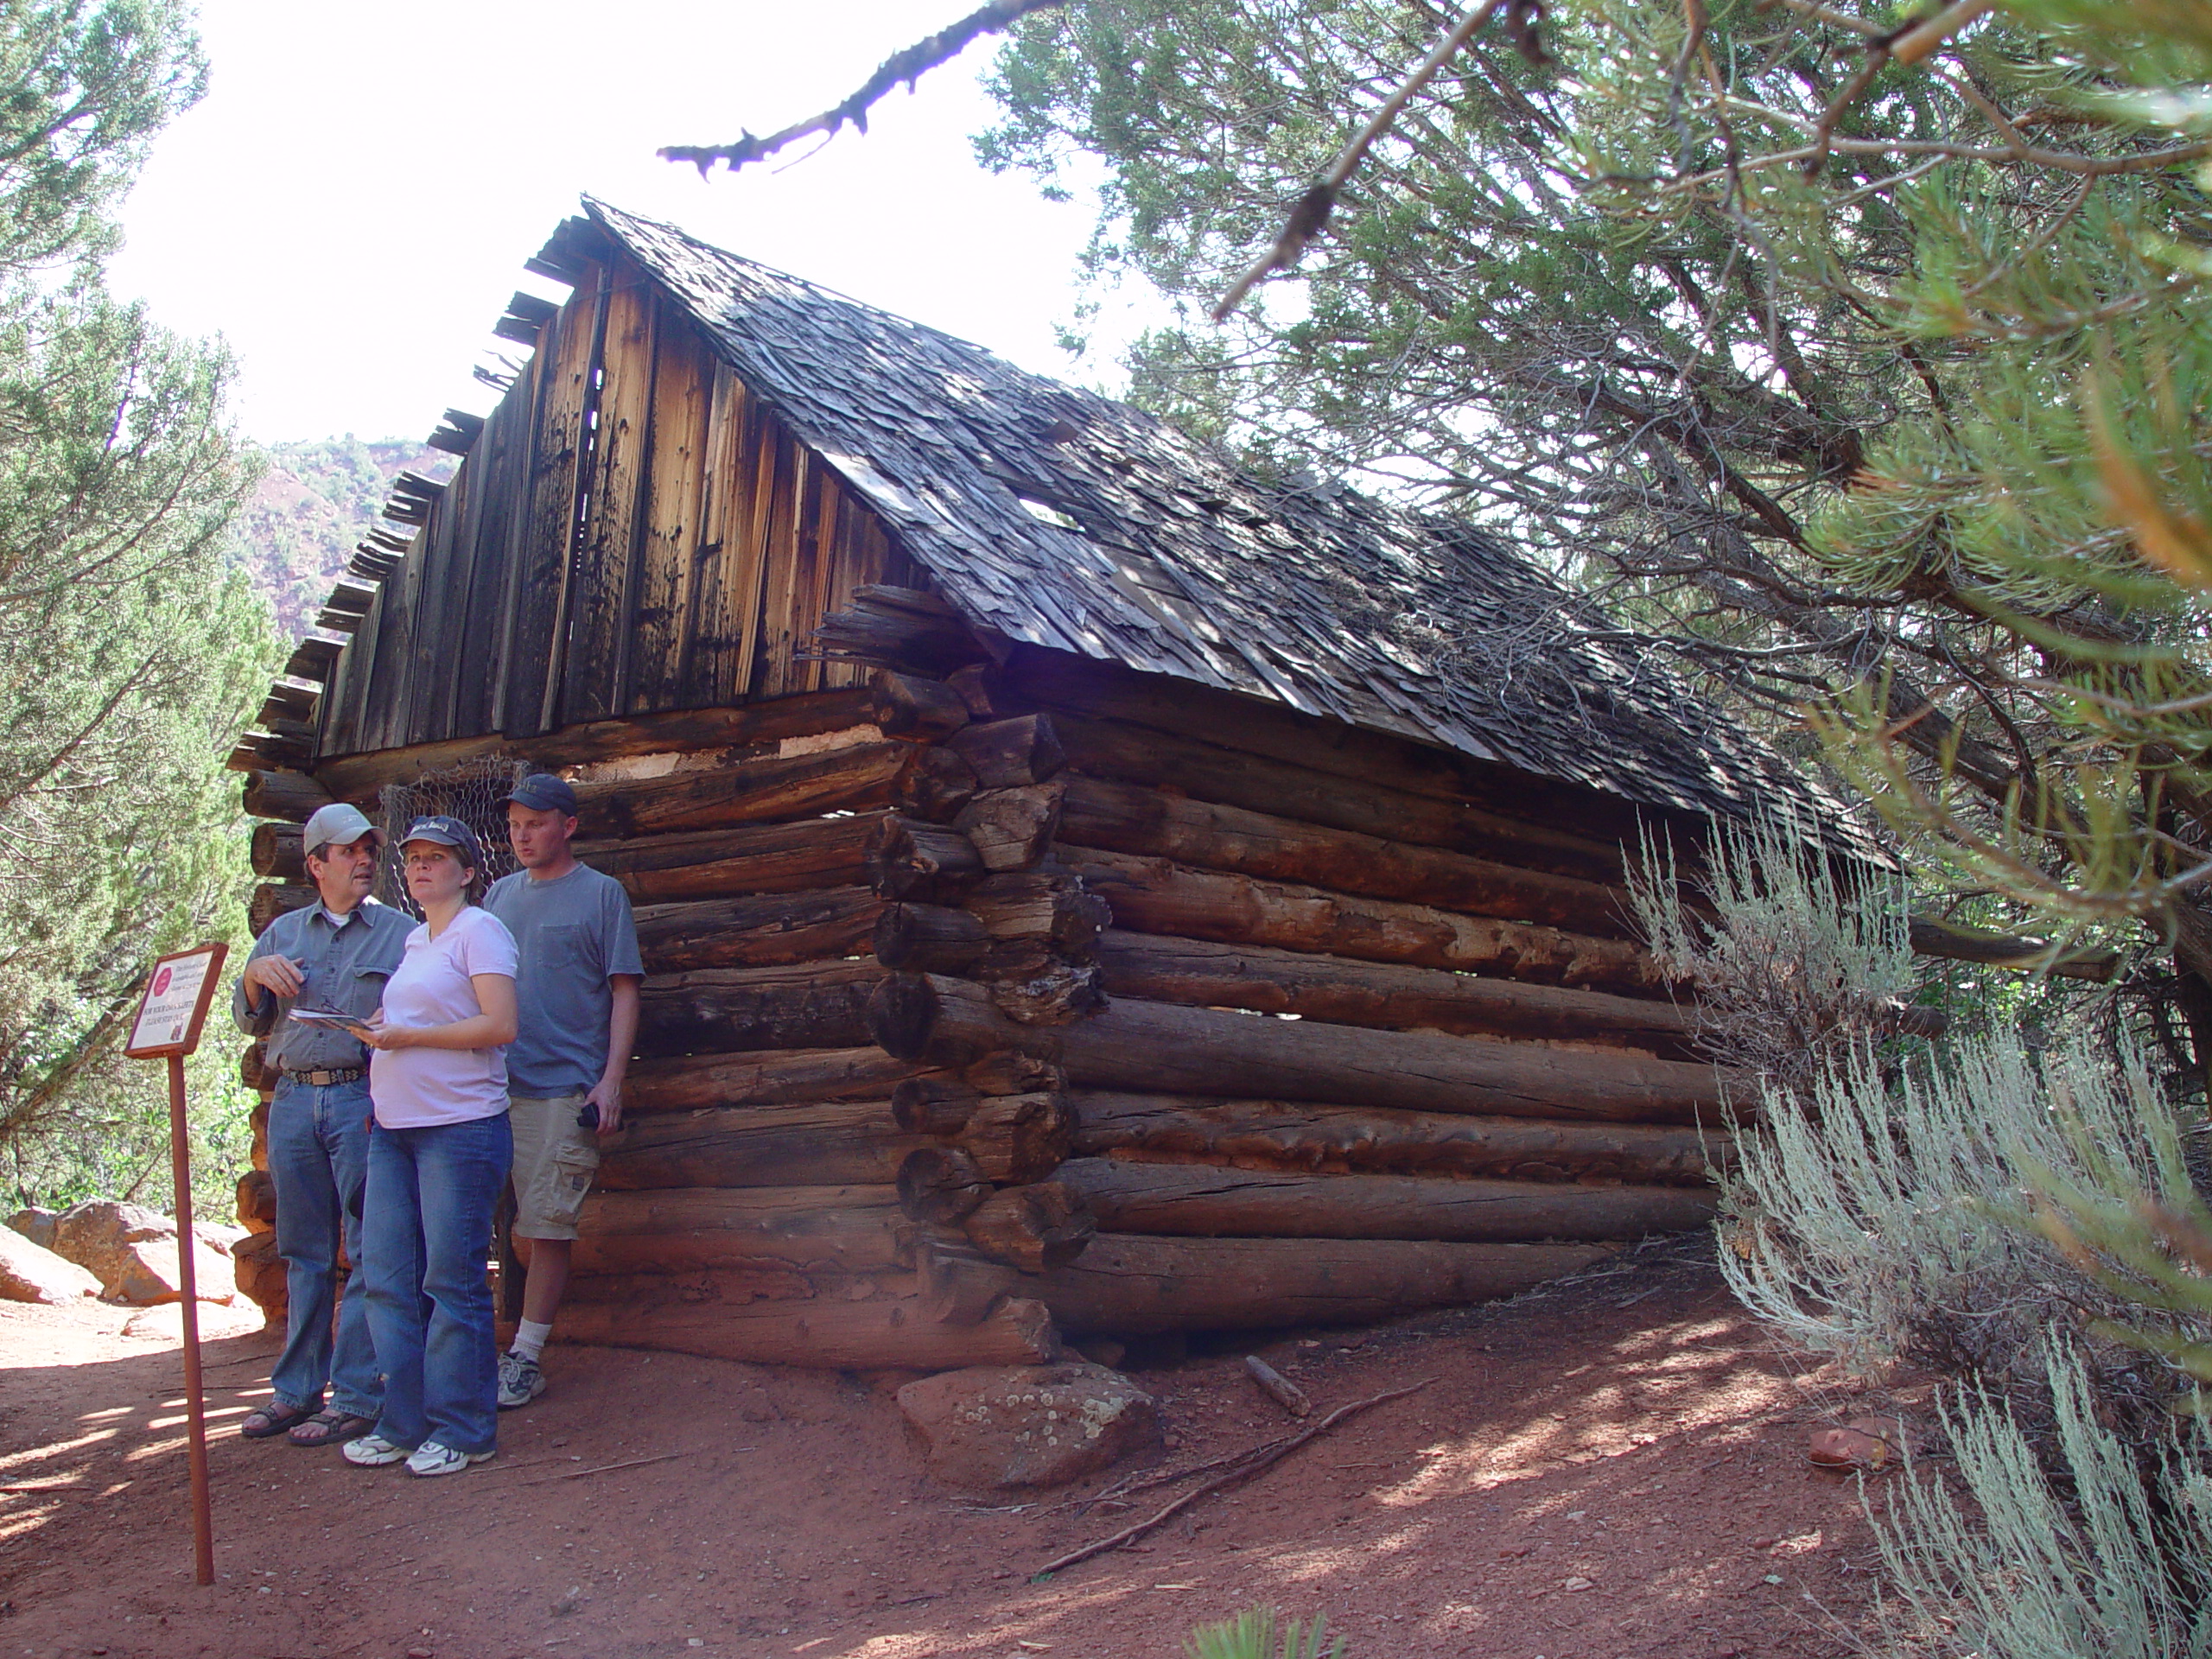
1378 1002
748 1208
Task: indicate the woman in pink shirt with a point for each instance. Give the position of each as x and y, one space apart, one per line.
438 1157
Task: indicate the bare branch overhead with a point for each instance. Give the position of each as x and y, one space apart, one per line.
908 66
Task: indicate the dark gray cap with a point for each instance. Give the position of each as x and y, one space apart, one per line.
448 832
542 792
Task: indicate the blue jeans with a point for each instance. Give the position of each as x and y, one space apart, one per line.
428 1231
318 1157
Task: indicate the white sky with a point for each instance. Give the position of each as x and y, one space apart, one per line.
351 203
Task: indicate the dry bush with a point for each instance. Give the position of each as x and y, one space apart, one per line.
1788 964
2093 1553
1974 1211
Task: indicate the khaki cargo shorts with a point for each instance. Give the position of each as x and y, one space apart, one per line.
554 1161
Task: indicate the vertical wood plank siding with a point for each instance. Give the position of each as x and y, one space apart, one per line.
633 532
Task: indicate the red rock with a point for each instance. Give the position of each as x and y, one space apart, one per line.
1863 1443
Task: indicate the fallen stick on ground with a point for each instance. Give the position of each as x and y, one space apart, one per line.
578 1474
1267 1458
1277 1387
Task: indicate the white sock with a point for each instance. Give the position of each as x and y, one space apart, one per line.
530 1338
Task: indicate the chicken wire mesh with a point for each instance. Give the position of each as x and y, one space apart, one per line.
475 792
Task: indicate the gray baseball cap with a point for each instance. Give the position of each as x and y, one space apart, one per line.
337 825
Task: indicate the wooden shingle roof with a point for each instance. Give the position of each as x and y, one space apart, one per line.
1063 520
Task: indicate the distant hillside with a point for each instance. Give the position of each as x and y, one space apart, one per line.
316 502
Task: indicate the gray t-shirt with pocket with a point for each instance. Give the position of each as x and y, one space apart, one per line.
571 933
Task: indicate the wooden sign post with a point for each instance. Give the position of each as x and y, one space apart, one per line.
170 1014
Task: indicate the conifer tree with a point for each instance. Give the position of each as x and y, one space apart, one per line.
130 648
1858 355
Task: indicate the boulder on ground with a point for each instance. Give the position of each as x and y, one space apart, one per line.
259 1274
998 1427
30 1274
36 1225
133 1253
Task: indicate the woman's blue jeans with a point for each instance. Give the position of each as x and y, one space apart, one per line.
427 1234
318 1157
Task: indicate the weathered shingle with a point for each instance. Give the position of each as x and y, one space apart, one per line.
1067 521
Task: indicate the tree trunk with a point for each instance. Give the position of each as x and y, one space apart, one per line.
1934 937
1156 1047
273 900
940 1186
1128 1285
1418 766
907 706
1280 1134
850 779
725 1010
1032 1228
1011 828
1210 974
1010 753
1151 895
901 629
925 862
757 930
1018 1139
1205 1202
852 1143
929 938
815 1229
356 777
773 1078
1126 819
934 1105
647 1290
1053 907
278 854
959 1284
291 796
884 1333
1130 754
798 857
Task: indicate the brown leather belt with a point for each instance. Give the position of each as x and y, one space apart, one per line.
325 1079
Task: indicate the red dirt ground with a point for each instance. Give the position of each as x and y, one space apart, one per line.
1609 1468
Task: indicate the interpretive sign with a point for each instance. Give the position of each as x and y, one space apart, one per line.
175 1003
170 1013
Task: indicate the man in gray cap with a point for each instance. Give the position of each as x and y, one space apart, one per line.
333 956
576 997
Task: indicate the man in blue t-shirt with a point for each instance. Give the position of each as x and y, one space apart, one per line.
577 996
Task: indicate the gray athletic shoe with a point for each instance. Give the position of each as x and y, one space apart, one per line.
521 1380
434 1458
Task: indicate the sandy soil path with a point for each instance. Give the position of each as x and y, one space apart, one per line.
1604 1470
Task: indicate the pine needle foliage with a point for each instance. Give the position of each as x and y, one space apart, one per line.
1869 380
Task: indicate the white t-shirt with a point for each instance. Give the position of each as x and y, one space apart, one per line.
417 1088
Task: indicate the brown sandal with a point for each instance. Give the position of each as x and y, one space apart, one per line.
266 1422
330 1426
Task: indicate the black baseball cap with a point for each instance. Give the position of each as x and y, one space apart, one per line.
448 832
542 792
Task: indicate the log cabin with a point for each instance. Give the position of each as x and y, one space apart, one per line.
1087 888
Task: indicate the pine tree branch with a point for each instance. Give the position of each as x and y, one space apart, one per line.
909 67
1310 216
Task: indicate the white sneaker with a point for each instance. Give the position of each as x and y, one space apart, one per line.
433 1459
373 1452
521 1380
